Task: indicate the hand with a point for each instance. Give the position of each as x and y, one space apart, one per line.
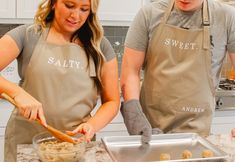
135 120
85 128
233 132
29 107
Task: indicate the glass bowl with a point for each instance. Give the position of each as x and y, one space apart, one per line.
49 149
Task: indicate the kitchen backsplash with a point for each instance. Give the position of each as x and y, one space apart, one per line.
6 27
116 36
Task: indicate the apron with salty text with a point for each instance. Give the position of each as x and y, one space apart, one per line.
60 77
177 94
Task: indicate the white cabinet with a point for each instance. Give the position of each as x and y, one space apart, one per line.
18 8
115 128
5 112
7 9
223 122
110 12
122 11
27 8
11 74
1 143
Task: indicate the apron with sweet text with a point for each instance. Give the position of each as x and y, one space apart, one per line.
177 93
59 77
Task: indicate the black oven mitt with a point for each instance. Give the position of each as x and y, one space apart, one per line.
135 120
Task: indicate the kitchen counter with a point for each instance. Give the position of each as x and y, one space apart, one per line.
95 151
224 142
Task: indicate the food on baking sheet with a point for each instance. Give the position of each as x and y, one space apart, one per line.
164 156
57 151
207 153
186 154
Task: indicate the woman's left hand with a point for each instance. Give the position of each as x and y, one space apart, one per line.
233 132
85 128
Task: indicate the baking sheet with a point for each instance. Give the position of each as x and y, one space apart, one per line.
130 149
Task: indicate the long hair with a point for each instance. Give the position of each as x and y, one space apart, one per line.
90 34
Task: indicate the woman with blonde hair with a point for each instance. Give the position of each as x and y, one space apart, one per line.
64 63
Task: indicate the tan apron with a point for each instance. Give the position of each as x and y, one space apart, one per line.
59 77
177 94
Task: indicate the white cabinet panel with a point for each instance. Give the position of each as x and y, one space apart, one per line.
1 144
27 8
111 12
223 128
223 122
5 112
7 9
118 10
114 127
113 133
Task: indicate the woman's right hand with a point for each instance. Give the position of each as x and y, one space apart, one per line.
85 128
29 107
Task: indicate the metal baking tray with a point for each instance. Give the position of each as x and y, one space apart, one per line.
130 149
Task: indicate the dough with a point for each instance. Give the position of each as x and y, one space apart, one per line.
186 154
56 151
207 153
165 156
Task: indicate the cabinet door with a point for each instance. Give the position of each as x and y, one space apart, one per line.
6 109
7 9
27 8
223 124
11 72
2 130
118 10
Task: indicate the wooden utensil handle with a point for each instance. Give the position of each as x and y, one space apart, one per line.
59 135
11 100
8 98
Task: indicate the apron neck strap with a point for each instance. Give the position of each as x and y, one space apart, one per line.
205 21
205 13
168 11
206 25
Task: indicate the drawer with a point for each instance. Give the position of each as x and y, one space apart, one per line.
225 119
112 127
223 128
99 135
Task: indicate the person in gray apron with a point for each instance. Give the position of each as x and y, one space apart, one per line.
180 45
65 64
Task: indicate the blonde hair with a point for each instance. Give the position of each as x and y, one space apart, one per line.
90 34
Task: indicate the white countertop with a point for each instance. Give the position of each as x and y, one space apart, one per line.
96 152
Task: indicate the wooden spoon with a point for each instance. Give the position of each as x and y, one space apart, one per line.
56 133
